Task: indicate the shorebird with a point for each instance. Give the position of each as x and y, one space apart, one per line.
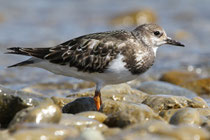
104 58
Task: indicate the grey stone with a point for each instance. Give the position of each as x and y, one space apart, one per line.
157 87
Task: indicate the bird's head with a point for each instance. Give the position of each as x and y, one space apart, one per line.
154 36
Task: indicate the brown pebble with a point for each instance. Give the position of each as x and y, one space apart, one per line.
179 77
201 86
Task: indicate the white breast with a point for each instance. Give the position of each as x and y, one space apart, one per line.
118 72
114 74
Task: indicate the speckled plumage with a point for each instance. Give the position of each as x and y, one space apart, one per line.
104 58
93 52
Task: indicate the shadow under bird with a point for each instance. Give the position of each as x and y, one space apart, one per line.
104 58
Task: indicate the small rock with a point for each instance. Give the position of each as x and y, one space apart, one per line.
164 102
189 132
148 130
28 98
119 92
90 134
80 105
46 112
189 80
5 135
204 111
123 92
12 101
167 114
201 86
179 77
157 87
200 101
160 130
93 115
185 116
123 114
9 106
111 131
135 18
30 131
57 88
61 102
81 122
206 124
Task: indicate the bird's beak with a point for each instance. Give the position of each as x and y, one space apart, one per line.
173 42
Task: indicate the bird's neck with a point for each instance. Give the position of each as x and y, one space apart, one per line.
142 38
155 50
138 61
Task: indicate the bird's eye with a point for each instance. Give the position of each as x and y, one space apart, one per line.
156 33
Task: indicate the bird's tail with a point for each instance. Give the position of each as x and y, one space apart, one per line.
23 63
34 52
20 51
16 50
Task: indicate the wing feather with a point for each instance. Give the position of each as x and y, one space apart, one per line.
90 53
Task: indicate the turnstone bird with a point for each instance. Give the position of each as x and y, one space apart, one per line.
104 58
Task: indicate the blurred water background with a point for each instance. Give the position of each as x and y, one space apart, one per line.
46 23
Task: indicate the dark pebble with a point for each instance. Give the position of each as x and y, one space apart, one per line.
80 105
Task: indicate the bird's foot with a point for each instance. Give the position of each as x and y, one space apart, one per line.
97 102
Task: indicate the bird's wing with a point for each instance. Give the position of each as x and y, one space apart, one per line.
90 53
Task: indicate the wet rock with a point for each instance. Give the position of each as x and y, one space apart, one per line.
81 122
61 102
161 130
204 111
205 118
157 87
179 77
120 92
200 101
93 115
57 88
189 80
135 18
142 131
46 112
30 131
90 134
9 106
123 114
12 101
206 124
80 105
167 114
190 132
185 116
165 102
111 131
123 92
201 86
28 98
5 135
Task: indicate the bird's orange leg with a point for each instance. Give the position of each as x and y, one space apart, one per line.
97 99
